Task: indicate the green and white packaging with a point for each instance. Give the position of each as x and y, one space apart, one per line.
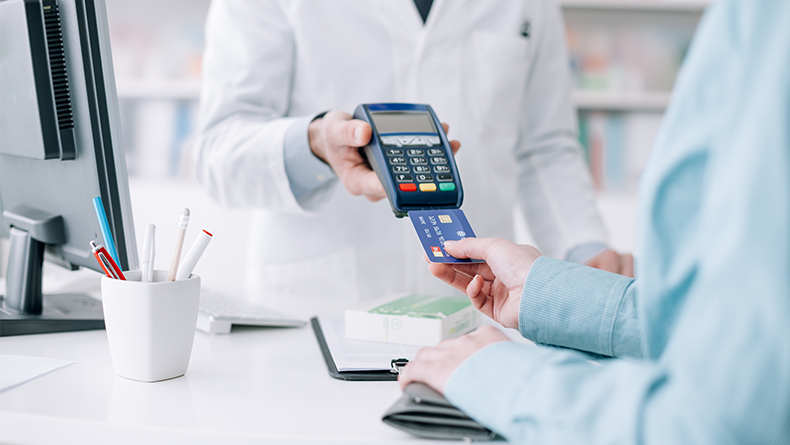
422 320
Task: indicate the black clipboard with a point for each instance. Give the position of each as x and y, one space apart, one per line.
358 376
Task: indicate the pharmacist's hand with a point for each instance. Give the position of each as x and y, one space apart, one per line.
494 286
336 139
434 366
611 261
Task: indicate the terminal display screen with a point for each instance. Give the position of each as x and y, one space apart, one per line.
403 122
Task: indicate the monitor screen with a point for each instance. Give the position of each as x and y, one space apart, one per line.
403 122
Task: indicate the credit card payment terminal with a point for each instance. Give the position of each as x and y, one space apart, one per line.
411 155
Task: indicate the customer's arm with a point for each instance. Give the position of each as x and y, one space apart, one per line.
714 297
549 301
723 377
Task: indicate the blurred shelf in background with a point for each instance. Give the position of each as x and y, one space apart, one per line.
625 56
619 101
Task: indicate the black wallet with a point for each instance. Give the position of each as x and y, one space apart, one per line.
424 412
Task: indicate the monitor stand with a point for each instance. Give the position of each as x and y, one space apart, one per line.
60 313
23 308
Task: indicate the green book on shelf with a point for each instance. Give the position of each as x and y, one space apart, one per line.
422 320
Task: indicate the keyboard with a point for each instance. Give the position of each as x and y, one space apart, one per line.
218 313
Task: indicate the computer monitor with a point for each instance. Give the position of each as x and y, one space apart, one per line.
60 147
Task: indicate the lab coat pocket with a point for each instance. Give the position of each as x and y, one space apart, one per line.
501 65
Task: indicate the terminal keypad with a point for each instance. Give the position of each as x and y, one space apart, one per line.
414 162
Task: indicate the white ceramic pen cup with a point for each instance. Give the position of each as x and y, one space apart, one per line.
150 326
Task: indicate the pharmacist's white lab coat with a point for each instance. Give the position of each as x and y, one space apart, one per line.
505 96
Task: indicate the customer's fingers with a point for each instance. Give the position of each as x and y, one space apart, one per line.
450 276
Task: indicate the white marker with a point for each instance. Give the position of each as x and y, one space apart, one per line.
149 251
183 221
194 254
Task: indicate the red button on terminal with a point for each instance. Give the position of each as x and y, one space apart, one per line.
408 187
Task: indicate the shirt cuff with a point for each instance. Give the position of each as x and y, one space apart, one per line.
306 172
585 252
579 307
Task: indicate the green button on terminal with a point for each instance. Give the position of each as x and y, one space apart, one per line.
447 186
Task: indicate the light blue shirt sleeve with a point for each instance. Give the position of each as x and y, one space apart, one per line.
713 296
603 322
307 174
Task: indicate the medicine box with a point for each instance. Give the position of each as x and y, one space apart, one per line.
422 320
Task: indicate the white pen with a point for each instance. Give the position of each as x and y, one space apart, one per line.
183 221
149 252
194 254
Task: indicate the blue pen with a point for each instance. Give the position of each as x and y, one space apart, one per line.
105 229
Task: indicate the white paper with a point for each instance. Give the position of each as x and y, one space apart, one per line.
16 370
359 355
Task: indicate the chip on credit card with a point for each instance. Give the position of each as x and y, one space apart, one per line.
434 227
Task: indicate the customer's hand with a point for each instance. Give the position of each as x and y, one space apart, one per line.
494 286
434 366
611 261
336 138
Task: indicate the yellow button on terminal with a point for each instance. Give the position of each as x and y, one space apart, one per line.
431 187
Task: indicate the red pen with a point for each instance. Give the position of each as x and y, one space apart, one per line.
106 262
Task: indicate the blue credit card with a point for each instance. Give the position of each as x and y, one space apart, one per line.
434 227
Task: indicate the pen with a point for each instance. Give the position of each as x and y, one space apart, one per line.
149 251
106 262
194 254
105 228
183 220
